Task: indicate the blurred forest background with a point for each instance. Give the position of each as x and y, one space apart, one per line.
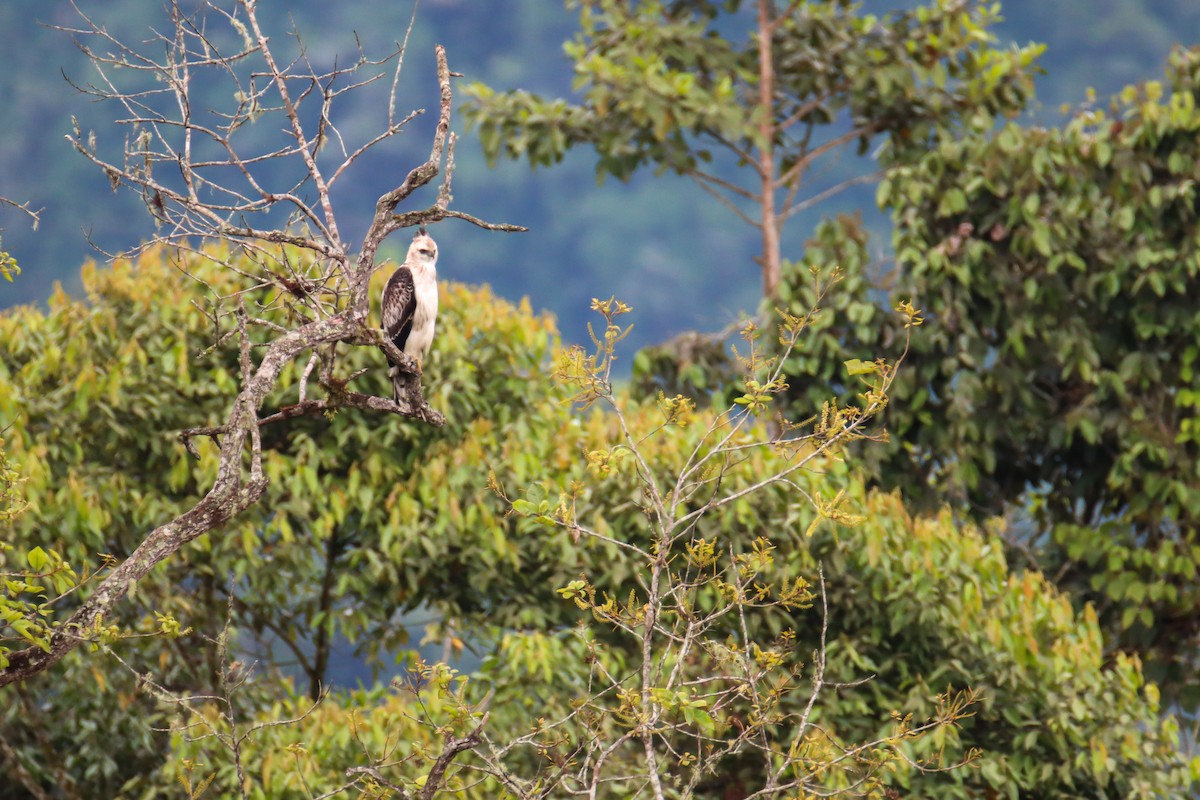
658 242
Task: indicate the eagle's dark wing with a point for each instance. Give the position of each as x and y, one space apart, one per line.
399 306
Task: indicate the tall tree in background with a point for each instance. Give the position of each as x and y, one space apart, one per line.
665 84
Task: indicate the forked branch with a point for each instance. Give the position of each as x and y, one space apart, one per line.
203 183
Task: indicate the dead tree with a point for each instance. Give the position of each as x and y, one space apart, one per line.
209 175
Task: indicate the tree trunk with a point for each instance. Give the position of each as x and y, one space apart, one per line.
769 224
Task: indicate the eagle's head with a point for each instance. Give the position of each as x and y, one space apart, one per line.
422 251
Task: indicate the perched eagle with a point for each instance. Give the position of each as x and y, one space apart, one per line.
410 303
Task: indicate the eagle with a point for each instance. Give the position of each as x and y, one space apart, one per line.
409 304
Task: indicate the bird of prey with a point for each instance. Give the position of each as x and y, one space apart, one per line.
409 304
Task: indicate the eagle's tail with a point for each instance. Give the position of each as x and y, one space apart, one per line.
398 382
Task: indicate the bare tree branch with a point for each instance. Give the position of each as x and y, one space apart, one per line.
36 216
204 183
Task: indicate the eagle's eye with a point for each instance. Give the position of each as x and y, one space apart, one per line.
427 252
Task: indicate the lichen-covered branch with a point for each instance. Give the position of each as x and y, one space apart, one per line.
224 196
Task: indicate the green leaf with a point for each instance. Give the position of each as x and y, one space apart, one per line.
37 559
857 366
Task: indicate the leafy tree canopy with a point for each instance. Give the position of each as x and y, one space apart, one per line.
1058 266
924 605
361 524
749 116
95 394
1058 376
664 84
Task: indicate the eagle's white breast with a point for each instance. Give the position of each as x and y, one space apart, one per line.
425 316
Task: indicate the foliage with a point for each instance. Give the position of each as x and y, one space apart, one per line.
661 85
1057 266
923 608
291 757
276 241
11 502
673 681
422 529
695 517
96 392
1051 719
19 615
689 87
676 667
917 610
44 574
8 267
925 604
85 736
